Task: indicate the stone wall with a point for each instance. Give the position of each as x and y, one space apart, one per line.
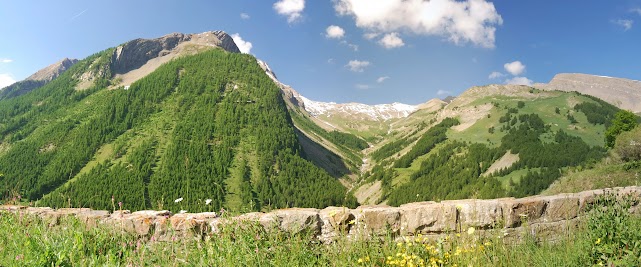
541 216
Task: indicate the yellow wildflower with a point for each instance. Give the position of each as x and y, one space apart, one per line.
598 241
470 231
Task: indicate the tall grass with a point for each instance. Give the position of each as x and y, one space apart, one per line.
608 236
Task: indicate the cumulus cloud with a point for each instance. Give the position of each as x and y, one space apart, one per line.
244 16
382 79
357 65
461 22
391 40
626 24
334 32
6 80
362 86
292 9
6 60
244 46
371 35
515 68
519 81
495 75
443 93
636 10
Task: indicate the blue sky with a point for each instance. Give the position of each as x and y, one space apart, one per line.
369 51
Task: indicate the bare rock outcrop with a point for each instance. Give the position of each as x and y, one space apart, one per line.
136 53
623 93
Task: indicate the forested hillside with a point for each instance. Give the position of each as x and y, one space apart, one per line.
211 127
514 142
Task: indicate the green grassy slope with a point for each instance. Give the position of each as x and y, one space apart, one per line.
208 126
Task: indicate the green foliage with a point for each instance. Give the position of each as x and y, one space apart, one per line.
623 121
628 145
429 140
614 240
597 113
453 173
217 101
520 104
525 140
348 140
346 143
391 148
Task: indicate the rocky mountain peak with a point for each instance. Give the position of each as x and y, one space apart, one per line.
52 71
623 93
136 53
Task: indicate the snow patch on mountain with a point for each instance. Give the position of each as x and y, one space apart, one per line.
355 110
373 112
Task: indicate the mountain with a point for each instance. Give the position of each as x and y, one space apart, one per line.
37 79
52 71
121 126
187 122
623 93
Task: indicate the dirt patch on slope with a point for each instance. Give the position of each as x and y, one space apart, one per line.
369 194
504 162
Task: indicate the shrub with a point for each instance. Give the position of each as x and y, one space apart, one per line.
628 145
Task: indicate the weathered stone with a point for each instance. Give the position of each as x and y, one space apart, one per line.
427 217
476 213
587 198
376 220
561 207
518 211
12 207
93 217
293 220
335 221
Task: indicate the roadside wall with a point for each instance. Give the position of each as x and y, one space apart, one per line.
544 217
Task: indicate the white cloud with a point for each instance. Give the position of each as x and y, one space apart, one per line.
6 80
636 10
334 32
495 75
6 60
357 65
443 93
382 79
391 40
244 46
331 61
515 68
371 35
362 86
244 16
469 21
519 81
293 9
625 23
350 45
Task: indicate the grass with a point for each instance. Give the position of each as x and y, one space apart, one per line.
601 176
609 236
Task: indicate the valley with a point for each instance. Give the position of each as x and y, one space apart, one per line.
187 116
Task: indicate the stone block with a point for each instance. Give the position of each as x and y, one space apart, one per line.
427 217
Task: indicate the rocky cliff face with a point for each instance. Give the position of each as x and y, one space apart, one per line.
623 93
38 79
52 71
136 53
